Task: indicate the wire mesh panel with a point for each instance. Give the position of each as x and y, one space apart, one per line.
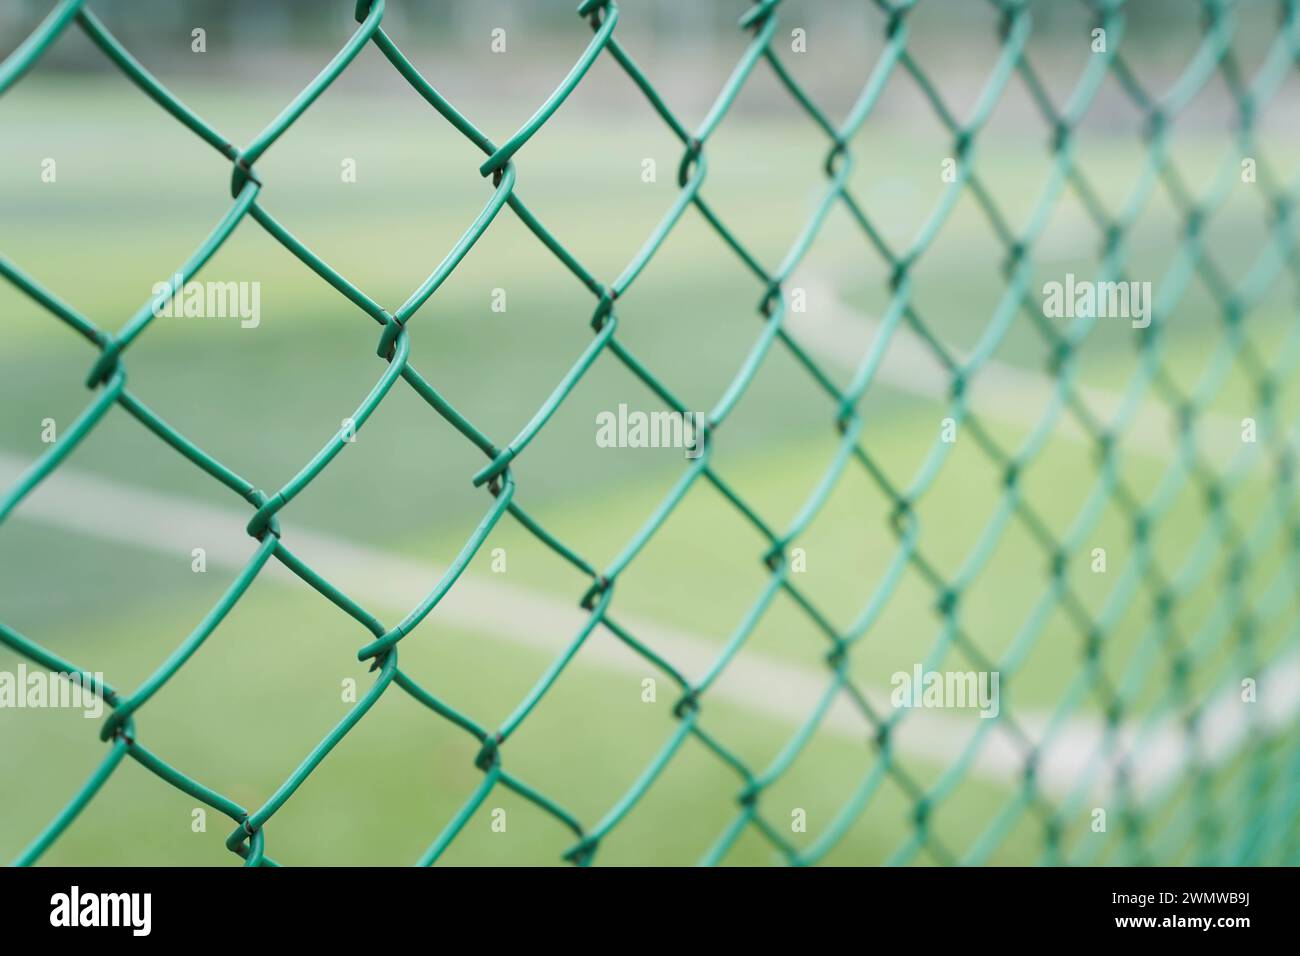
1204 806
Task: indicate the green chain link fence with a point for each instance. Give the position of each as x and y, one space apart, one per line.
1272 772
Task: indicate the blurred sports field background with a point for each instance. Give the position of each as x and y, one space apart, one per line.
96 564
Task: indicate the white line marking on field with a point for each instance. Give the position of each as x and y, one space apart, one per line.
838 333
100 508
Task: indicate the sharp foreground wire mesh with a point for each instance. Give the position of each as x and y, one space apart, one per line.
1271 772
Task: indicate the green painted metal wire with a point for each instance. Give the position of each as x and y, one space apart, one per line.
1274 793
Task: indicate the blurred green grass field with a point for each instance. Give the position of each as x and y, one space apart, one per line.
264 688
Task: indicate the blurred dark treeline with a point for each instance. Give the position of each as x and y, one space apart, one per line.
234 27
